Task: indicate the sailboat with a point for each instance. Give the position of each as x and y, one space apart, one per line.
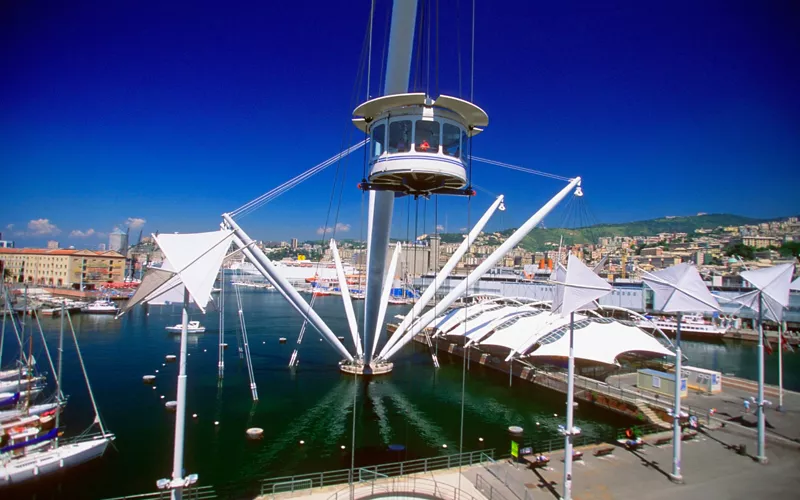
31 446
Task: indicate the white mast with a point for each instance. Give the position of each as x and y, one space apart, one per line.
487 264
387 289
381 203
348 303
443 274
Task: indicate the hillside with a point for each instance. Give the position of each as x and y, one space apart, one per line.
539 238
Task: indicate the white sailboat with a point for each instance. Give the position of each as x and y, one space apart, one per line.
33 451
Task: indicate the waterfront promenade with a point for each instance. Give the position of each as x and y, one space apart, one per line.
713 467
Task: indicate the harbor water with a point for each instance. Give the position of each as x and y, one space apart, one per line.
416 406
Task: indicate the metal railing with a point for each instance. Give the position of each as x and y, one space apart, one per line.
193 493
487 489
342 476
404 486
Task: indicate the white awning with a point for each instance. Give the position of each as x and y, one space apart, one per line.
519 332
478 323
599 341
197 258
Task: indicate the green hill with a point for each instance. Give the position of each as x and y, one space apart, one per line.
542 239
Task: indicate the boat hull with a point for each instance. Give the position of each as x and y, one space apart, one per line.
44 462
173 329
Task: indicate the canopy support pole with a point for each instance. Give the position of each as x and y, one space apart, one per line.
570 406
180 411
762 456
676 476
221 354
781 329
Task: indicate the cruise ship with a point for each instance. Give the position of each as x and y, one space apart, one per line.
299 270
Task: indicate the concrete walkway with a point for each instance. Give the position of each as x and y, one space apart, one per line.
711 469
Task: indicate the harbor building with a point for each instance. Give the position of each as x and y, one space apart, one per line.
63 268
118 241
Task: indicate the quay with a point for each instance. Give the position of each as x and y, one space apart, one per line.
717 463
618 393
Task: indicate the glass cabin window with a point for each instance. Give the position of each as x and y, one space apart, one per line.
464 146
450 140
400 136
426 136
378 140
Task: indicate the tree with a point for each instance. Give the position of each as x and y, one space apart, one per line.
790 249
742 250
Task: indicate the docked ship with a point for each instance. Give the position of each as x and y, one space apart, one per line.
298 270
692 325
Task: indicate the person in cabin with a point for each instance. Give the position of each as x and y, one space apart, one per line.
425 146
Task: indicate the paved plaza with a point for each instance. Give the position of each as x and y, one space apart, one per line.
712 468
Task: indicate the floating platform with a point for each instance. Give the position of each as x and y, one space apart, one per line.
359 368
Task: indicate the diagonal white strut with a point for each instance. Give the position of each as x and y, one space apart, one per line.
387 289
442 276
267 269
487 264
348 303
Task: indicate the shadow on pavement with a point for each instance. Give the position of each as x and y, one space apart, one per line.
544 483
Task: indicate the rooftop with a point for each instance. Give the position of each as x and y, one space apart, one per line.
60 251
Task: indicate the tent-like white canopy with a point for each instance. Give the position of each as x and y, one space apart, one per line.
463 323
599 341
772 287
461 315
520 332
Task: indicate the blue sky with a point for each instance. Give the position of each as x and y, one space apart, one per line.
165 116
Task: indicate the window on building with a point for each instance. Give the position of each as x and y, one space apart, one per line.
378 140
451 136
426 137
400 136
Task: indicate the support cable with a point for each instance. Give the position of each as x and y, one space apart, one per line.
265 198
520 169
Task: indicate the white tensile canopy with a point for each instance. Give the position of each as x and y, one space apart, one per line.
795 285
522 331
680 289
577 288
599 341
191 260
772 284
464 317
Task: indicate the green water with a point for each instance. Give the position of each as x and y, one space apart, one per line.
416 406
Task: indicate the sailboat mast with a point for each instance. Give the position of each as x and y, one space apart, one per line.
30 355
58 375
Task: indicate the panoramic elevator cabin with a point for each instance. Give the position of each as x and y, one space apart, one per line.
419 146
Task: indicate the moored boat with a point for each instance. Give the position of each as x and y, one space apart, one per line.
193 327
